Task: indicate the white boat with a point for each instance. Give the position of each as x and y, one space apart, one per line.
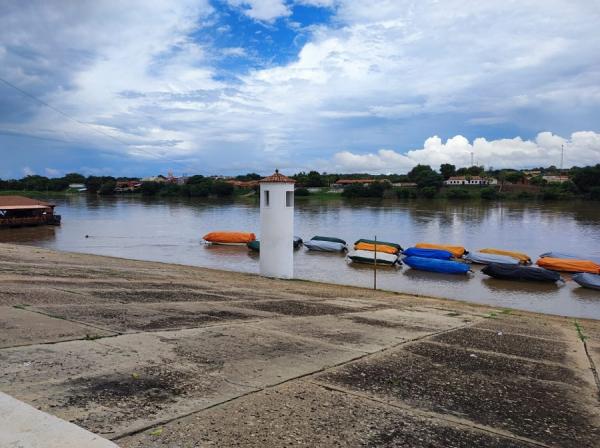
367 256
325 246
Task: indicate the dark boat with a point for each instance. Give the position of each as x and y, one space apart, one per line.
330 239
436 265
255 245
518 272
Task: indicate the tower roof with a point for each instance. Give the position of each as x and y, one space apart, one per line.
277 177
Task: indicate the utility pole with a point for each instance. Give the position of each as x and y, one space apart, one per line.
472 159
375 265
562 157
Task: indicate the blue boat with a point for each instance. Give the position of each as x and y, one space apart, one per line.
427 253
587 280
436 265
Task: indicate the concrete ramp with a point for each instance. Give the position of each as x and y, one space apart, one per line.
23 426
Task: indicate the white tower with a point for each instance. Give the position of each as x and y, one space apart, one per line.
277 226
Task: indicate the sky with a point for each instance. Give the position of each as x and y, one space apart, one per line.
105 87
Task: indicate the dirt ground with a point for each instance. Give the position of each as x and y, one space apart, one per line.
156 355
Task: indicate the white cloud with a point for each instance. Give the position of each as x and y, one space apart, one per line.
27 171
263 10
384 74
51 172
582 148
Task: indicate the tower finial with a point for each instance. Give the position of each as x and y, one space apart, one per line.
276 170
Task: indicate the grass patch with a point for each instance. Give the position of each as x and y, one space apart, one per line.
580 334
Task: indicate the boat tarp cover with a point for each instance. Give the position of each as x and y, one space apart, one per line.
367 256
523 258
325 246
587 280
229 237
564 255
387 243
328 238
255 245
380 248
428 253
518 272
483 258
457 251
436 265
569 265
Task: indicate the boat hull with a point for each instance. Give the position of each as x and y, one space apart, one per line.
368 257
485 258
521 273
324 246
587 280
457 251
436 265
229 238
428 253
569 265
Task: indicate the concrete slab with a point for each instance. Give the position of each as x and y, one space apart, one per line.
24 327
291 307
338 331
310 416
119 384
23 426
485 389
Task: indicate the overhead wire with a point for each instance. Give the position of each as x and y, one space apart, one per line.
58 111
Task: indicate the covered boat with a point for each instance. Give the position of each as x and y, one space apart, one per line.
325 246
229 238
587 280
329 238
569 265
382 246
457 251
255 245
436 265
428 253
485 258
367 256
523 258
518 272
574 256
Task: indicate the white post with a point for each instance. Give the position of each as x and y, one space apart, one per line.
277 226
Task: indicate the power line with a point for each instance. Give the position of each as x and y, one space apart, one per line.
58 111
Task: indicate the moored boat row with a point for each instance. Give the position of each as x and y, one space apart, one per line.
443 258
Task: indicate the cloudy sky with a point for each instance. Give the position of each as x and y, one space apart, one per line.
232 86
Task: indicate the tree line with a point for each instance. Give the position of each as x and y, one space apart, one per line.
583 182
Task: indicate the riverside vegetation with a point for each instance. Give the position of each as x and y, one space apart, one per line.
583 183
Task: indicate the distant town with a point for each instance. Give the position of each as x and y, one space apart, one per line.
550 183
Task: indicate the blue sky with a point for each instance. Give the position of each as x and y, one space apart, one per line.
232 86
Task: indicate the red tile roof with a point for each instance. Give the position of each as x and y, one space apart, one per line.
21 202
277 177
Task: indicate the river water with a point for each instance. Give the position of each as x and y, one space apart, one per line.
170 230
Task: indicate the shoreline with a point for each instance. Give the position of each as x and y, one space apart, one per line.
154 355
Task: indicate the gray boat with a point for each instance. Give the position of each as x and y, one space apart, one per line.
325 246
587 280
483 258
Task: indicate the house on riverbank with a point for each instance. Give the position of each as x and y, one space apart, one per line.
17 211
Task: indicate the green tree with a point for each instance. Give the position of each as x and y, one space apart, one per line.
313 179
447 170
222 189
74 178
108 188
150 188
586 178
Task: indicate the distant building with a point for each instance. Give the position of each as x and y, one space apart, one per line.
127 186
78 187
16 211
342 183
556 179
405 184
160 179
243 184
532 173
471 180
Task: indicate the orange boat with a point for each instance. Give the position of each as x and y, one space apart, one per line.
230 238
457 251
523 258
569 265
380 248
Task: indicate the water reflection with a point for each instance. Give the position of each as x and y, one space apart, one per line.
170 230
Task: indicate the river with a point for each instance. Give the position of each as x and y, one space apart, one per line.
170 230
